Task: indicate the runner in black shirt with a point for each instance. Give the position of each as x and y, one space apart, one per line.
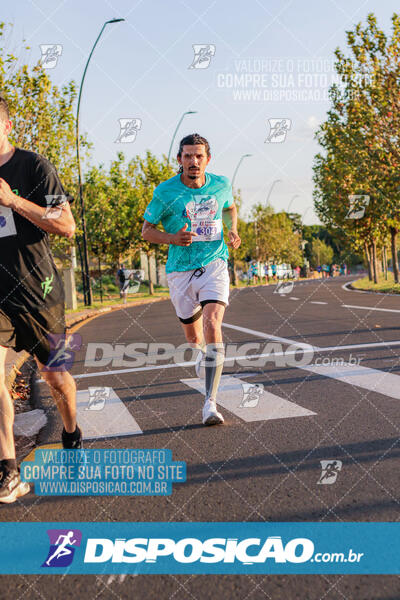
33 203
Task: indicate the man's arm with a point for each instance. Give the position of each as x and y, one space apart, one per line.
151 234
63 225
229 216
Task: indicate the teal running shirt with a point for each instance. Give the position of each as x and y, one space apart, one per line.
175 204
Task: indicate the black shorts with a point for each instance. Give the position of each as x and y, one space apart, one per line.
30 330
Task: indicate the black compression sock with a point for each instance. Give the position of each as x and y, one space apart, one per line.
71 437
9 464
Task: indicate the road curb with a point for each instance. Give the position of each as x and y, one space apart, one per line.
349 288
72 320
14 361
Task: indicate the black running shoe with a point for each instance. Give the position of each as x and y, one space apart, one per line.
11 486
69 444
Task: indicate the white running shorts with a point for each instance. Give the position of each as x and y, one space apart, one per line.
191 290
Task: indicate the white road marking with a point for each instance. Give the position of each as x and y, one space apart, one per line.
293 298
374 380
269 406
316 302
371 308
268 336
358 346
112 420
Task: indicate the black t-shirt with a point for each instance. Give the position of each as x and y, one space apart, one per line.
29 280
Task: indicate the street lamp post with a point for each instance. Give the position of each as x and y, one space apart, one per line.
235 279
290 203
188 112
237 167
271 188
87 290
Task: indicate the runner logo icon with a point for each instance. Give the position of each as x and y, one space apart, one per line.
330 470
54 206
98 397
50 55
203 54
284 287
46 285
278 129
63 543
62 348
128 129
251 394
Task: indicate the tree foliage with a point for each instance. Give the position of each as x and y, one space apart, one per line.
357 173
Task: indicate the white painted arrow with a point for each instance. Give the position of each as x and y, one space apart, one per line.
269 406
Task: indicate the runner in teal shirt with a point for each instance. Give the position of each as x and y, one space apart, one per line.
175 204
190 206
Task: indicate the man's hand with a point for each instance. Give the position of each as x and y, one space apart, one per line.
182 237
60 224
234 239
7 196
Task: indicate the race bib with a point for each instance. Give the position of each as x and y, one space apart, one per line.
208 230
7 223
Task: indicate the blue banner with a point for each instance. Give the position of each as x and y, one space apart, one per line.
200 548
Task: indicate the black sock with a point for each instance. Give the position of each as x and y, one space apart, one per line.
8 464
71 437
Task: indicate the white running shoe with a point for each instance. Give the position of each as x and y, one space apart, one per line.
199 366
11 486
210 414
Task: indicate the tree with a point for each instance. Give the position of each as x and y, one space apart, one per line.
43 119
274 236
149 173
116 200
321 253
360 142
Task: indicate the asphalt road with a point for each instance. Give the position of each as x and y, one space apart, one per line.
262 470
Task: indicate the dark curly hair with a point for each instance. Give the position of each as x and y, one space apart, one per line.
191 140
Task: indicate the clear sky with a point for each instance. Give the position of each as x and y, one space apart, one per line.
266 60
